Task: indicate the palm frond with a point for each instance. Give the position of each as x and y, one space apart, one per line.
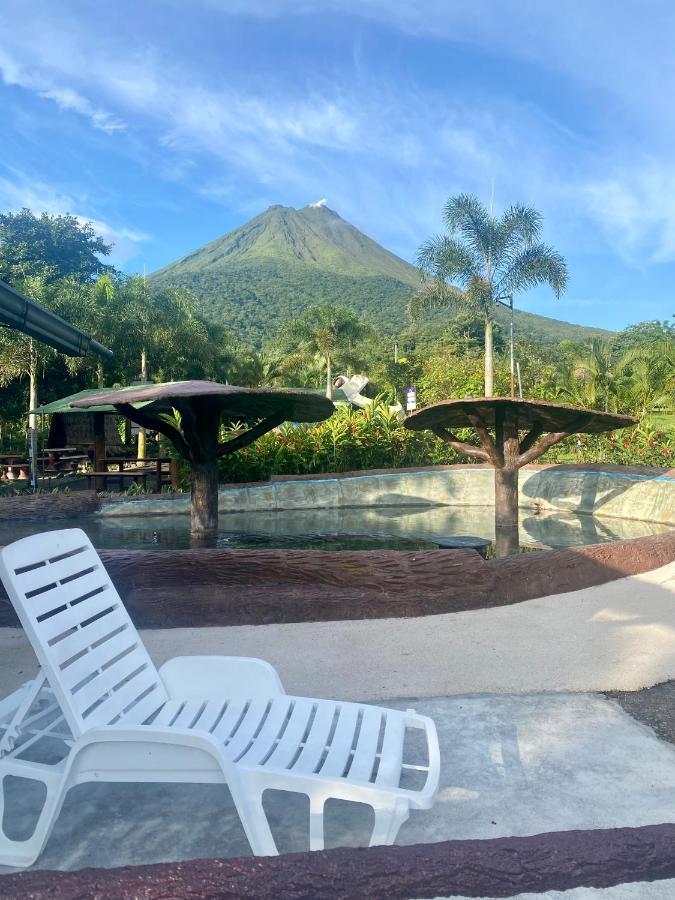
518 229
446 259
467 215
536 264
434 295
481 297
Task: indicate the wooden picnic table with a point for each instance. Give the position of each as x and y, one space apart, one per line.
63 461
142 468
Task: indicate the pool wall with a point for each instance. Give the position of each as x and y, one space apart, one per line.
198 588
611 491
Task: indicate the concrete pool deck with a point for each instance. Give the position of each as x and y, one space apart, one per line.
512 765
616 636
521 753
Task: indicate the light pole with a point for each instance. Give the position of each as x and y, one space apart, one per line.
509 305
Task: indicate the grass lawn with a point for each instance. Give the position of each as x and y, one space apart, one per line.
663 421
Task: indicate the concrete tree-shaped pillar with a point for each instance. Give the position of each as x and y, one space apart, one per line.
189 414
512 433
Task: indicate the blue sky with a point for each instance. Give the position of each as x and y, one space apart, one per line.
169 123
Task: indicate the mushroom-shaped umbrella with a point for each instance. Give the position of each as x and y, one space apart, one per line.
512 433
189 414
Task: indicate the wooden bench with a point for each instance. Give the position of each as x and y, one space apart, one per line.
101 478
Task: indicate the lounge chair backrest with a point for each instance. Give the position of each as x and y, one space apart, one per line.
80 630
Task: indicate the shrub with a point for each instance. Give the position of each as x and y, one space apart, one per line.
373 438
639 446
350 440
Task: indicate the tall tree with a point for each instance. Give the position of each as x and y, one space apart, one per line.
49 247
328 331
482 260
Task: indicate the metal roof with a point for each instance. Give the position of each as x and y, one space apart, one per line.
25 315
63 404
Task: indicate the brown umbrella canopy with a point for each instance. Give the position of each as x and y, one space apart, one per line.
524 414
233 401
512 433
195 432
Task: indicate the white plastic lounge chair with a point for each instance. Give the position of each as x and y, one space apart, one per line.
198 719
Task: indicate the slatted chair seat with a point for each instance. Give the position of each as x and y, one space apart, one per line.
297 736
197 719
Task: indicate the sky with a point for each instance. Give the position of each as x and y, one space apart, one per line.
169 123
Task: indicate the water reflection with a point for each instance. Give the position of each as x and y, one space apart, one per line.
401 528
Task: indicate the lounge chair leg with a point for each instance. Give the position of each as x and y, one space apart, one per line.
254 820
388 820
24 853
316 831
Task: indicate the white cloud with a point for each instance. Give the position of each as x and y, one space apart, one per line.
66 98
635 207
387 151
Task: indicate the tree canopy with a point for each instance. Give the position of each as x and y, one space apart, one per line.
50 247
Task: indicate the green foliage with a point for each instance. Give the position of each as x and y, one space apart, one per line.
49 247
488 258
326 331
635 373
349 441
632 372
375 439
482 261
640 446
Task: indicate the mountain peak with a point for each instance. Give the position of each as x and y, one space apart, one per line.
313 235
274 266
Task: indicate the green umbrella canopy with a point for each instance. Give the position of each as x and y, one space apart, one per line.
235 402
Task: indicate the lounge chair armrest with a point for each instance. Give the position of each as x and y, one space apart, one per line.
219 678
97 749
426 796
148 734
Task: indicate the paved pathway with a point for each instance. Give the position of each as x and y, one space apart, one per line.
616 636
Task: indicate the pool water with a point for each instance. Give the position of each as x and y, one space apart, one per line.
372 528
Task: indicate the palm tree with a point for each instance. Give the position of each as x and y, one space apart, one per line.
482 260
589 377
327 331
648 382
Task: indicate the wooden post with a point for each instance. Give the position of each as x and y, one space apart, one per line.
99 448
174 474
507 538
506 512
201 430
204 499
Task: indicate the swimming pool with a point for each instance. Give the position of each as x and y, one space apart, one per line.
371 528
